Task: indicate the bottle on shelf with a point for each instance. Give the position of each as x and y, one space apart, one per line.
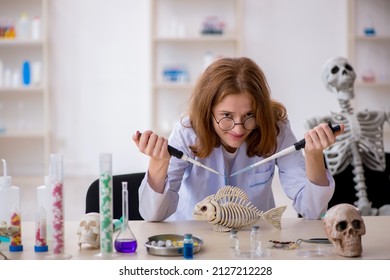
26 71
36 28
1 73
188 246
23 31
36 73
2 119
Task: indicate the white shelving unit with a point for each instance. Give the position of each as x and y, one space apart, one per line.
24 109
177 43
369 54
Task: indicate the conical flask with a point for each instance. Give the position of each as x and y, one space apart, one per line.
125 241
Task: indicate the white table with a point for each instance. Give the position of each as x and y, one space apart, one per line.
376 242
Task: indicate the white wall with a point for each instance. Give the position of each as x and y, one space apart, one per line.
99 82
291 40
100 70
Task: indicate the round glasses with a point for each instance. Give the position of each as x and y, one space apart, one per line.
227 123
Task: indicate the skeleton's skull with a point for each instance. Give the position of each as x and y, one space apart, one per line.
89 230
338 76
344 227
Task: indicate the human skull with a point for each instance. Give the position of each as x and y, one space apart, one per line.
344 227
89 230
338 76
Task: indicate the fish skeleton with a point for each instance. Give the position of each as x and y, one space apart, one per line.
230 208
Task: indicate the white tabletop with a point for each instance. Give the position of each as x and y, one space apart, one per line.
376 242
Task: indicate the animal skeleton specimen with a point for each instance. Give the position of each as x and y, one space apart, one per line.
230 208
362 141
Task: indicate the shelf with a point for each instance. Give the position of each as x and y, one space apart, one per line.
20 43
194 39
181 86
385 39
22 134
24 90
373 84
25 110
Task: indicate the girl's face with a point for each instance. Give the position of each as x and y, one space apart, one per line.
238 107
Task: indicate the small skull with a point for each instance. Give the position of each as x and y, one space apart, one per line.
338 76
89 230
344 227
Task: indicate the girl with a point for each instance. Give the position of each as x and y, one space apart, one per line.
232 123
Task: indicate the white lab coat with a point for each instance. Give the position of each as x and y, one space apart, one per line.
187 184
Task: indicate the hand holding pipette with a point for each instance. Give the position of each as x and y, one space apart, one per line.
295 147
180 155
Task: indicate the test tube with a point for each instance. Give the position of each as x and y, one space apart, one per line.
16 239
40 231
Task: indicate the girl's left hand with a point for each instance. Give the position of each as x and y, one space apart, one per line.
321 137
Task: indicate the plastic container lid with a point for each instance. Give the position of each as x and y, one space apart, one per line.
41 248
16 248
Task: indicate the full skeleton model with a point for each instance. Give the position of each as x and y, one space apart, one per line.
362 141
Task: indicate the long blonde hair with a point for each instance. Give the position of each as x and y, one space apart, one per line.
227 76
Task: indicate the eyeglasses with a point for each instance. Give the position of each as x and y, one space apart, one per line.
227 123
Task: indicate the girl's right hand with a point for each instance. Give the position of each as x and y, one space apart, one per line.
152 145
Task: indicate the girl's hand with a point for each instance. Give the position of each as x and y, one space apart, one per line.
152 145
320 138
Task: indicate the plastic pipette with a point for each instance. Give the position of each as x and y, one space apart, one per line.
180 155
295 147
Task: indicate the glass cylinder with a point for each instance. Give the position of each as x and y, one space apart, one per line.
57 190
105 207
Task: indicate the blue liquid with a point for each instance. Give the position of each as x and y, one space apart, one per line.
188 250
125 245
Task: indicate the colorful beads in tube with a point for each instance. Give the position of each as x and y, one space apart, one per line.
105 207
56 184
16 239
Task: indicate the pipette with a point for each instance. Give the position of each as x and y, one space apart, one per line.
295 147
180 155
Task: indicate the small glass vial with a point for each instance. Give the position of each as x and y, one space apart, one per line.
125 242
234 242
188 246
255 240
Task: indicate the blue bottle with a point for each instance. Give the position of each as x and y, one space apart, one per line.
188 246
26 73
